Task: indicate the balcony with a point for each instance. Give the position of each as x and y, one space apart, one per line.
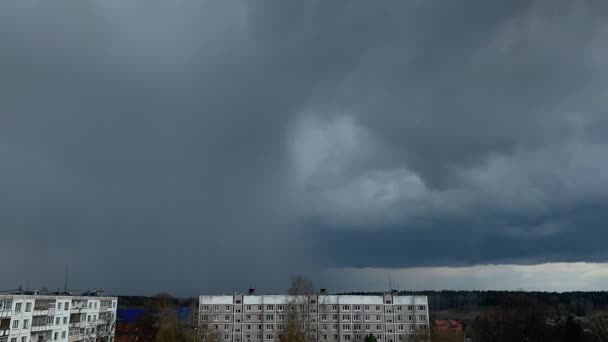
42 328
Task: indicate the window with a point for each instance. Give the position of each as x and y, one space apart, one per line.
367 327
238 301
269 317
399 308
18 307
421 317
357 327
28 307
356 317
345 327
345 307
421 307
216 308
59 304
377 317
23 339
346 317
335 317
357 308
377 307
366 308
16 324
26 324
6 304
227 317
400 327
410 307
312 301
269 337
95 305
89 318
269 327
205 308
270 307
225 337
13 339
215 318
63 334
388 302
67 305
248 308
227 307
280 307
90 305
57 320
378 327
259 308
367 317
411 317
324 317
56 336
324 337
281 317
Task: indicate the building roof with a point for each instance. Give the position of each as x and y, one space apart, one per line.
323 299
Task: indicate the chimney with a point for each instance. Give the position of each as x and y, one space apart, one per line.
323 291
251 291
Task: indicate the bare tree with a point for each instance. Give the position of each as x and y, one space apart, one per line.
599 325
207 330
301 308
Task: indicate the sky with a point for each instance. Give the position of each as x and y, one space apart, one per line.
201 146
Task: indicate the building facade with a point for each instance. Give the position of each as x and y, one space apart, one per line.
328 318
34 318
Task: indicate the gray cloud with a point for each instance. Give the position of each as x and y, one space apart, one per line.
165 145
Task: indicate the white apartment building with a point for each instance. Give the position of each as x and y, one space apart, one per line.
330 318
64 318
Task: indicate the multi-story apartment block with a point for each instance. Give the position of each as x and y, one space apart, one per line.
328 318
64 318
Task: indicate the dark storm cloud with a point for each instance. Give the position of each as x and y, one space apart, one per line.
197 139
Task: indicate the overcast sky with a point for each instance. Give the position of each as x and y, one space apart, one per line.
197 146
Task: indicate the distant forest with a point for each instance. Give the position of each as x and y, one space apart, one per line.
579 303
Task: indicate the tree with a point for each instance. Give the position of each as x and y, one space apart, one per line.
370 338
299 325
206 330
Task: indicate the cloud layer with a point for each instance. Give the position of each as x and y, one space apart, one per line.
216 142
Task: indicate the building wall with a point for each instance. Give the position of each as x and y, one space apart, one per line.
56 318
242 318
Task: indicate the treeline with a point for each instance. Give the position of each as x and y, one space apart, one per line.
144 302
579 303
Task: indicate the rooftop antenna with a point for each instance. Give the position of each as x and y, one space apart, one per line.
65 291
390 283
